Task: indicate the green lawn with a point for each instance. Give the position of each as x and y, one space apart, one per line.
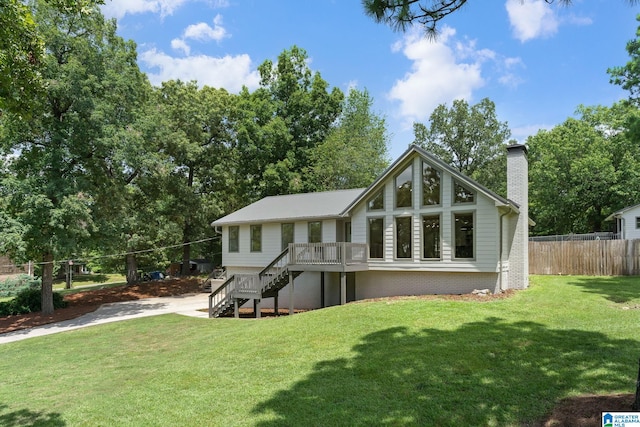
398 363
96 281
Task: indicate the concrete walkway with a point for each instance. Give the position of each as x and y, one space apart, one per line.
187 305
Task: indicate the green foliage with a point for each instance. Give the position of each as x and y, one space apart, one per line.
628 75
29 300
583 170
354 152
13 285
469 138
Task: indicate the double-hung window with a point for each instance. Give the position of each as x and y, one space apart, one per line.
431 236
463 235
234 238
256 238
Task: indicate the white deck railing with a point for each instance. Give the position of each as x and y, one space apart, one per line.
338 253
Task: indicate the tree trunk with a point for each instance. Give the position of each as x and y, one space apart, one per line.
132 268
47 284
186 253
186 234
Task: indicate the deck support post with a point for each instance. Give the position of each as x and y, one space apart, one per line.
290 293
236 309
275 305
343 288
257 310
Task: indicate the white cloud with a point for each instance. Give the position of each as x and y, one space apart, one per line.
437 76
229 72
179 44
203 32
531 19
119 8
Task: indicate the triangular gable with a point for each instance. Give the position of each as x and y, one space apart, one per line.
416 150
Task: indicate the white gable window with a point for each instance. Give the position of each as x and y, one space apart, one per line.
463 235
403 237
404 188
256 238
431 237
462 194
234 238
376 238
376 203
430 185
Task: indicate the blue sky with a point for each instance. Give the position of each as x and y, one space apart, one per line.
536 62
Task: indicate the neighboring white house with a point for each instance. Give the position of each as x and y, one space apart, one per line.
627 222
420 228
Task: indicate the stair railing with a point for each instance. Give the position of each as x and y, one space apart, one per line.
272 271
221 295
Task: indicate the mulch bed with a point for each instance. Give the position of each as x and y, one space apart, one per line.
87 301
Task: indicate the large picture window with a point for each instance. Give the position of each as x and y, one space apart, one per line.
404 188
462 194
288 234
430 185
376 238
463 235
403 237
431 236
234 238
256 238
315 232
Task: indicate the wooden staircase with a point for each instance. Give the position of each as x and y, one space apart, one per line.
241 288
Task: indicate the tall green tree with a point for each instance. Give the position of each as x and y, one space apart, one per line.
65 153
355 151
583 170
282 122
628 76
470 138
22 50
201 123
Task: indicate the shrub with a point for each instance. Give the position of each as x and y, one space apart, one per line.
27 301
13 285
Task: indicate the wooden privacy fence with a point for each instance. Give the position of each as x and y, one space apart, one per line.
590 258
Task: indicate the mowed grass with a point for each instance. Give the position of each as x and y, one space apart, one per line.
409 362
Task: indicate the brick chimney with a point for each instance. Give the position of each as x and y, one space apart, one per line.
518 192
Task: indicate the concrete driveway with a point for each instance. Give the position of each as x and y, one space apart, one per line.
187 305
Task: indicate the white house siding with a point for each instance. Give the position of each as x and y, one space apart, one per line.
629 223
380 284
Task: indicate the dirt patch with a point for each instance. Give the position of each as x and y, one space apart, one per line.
87 301
586 411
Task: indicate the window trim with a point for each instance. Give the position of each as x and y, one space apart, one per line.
422 239
638 223
236 239
395 237
369 219
453 193
453 235
439 172
252 240
395 188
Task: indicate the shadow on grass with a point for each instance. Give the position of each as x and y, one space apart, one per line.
26 417
483 373
616 289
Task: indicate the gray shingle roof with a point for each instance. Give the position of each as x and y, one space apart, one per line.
293 207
